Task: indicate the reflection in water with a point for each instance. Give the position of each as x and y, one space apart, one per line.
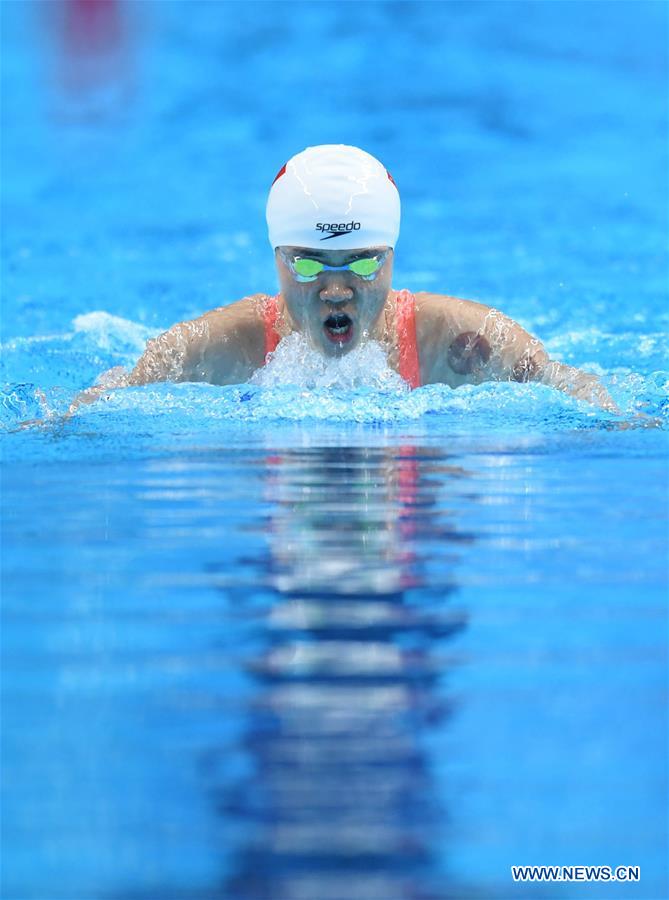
339 796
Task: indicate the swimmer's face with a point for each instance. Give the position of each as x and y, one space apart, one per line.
338 309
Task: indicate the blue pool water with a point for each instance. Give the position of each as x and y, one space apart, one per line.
317 637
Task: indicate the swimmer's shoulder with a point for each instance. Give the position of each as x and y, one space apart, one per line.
446 310
245 315
238 329
242 320
222 346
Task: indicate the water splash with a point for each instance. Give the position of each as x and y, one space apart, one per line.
43 374
295 362
113 333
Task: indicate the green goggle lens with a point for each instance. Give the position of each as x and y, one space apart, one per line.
310 268
307 268
365 267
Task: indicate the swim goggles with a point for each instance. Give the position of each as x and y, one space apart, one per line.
305 269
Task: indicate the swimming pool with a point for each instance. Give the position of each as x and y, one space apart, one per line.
282 640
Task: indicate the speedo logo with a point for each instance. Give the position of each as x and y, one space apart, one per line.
336 230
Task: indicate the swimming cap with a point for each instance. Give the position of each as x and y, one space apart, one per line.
334 197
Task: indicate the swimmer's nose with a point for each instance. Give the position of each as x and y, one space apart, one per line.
334 291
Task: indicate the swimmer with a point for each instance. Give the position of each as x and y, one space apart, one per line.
333 217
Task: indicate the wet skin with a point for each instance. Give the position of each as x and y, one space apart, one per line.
459 341
339 309
468 352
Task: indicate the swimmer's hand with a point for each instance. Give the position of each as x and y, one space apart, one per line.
588 387
638 420
51 421
577 384
48 419
30 423
109 380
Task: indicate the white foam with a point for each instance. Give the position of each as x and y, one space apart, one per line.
297 363
107 331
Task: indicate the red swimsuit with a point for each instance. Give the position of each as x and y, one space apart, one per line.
405 318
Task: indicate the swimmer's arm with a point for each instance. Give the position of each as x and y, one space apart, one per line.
576 382
168 357
517 355
469 343
174 355
109 380
521 357
224 346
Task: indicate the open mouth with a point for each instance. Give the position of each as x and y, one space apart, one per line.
339 328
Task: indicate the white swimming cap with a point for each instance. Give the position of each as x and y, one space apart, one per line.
333 197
